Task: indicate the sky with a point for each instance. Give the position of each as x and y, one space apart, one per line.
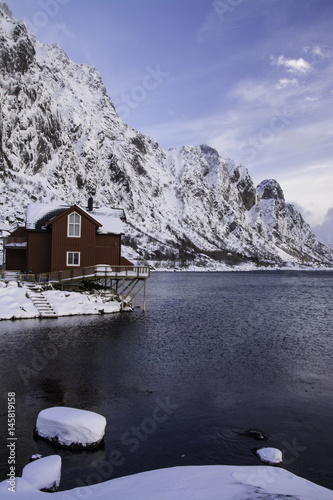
251 78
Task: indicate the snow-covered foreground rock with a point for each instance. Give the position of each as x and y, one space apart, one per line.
270 455
71 427
214 482
44 473
14 304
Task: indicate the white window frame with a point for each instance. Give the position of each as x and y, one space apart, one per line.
73 225
72 259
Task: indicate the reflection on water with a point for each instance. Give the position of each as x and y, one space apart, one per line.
214 354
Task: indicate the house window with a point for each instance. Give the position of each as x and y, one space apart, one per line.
74 225
73 258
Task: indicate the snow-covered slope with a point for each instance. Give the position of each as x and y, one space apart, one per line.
209 482
61 140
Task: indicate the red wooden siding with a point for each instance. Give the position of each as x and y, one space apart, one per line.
16 257
108 247
125 262
61 243
39 252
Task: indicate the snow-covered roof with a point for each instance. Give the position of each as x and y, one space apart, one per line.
110 218
38 214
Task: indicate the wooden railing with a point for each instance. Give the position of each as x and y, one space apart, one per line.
82 273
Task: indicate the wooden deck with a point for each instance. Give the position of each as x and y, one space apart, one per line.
128 281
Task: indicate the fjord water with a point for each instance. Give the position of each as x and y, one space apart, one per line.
215 354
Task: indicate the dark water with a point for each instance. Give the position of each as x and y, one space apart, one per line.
214 354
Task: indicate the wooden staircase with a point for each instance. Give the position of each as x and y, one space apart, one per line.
11 275
39 300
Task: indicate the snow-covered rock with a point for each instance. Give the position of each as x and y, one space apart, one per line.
211 482
71 427
270 455
62 142
44 473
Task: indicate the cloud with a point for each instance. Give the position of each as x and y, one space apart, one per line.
251 91
311 99
317 52
307 183
324 231
286 82
292 65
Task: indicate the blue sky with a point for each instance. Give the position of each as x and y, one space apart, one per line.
252 78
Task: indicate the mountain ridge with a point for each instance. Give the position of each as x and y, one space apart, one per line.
62 140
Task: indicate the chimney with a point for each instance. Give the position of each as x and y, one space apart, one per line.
90 204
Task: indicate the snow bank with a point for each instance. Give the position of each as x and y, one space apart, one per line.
44 473
14 304
73 303
71 427
211 482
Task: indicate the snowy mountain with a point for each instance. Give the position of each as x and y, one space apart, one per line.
61 140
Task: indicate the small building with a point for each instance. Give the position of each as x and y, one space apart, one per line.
4 233
58 237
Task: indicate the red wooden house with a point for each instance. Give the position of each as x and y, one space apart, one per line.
57 238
